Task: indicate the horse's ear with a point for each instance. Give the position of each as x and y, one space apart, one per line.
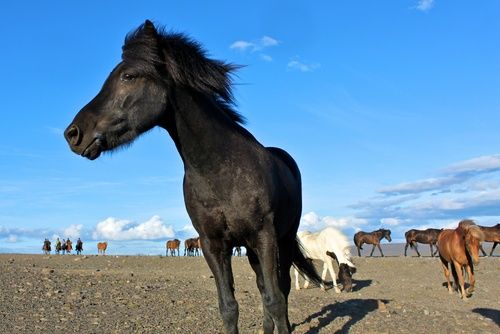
149 28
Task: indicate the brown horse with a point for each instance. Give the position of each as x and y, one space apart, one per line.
460 249
101 247
67 246
429 236
192 247
172 246
46 246
373 238
491 234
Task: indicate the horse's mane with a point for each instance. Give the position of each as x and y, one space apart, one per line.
184 61
471 229
339 244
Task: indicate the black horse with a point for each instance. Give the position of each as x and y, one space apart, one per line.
79 246
236 191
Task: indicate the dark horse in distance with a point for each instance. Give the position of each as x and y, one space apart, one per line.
373 238
428 236
491 234
236 191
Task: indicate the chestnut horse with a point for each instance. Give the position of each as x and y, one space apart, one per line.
172 246
429 236
460 249
373 238
192 247
101 247
491 234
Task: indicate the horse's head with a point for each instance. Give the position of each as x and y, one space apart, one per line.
387 234
345 276
129 103
139 92
473 236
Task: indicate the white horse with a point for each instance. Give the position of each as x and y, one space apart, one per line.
326 245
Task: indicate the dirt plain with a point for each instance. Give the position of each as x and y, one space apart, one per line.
157 294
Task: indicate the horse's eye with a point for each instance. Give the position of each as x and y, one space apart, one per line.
127 77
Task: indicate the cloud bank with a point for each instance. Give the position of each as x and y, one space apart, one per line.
470 188
119 229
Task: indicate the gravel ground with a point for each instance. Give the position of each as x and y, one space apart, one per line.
153 294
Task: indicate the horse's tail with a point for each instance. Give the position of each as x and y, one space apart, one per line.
356 242
304 266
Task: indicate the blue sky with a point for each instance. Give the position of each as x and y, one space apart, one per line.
391 110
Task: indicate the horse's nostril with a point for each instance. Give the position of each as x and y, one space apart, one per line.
73 135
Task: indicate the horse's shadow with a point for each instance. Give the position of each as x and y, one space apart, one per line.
360 284
356 286
489 313
356 309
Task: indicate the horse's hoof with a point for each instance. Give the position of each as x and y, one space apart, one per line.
260 331
297 288
337 290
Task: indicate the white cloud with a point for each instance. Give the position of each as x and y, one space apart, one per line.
419 186
116 229
268 41
390 221
311 221
483 164
257 45
457 173
73 231
12 238
242 45
425 5
265 57
295 64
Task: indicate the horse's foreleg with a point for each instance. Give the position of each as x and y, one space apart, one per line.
218 257
437 250
359 252
493 248
432 250
472 280
447 274
460 276
406 247
297 285
380 249
328 263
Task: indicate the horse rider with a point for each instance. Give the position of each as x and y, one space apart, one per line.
58 246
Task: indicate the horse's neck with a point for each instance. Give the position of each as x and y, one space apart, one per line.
201 131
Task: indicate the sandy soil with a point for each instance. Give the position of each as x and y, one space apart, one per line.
134 294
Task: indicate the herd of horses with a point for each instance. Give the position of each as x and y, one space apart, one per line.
64 247
192 247
237 192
